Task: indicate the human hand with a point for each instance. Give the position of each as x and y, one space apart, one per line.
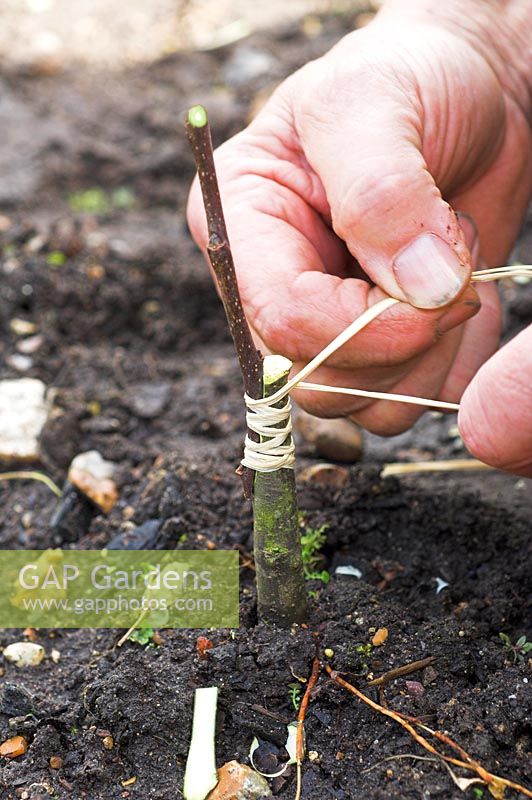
333 197
496 409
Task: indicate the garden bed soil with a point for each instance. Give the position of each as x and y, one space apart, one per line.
134 344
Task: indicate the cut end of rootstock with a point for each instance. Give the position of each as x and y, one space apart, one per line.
275 368
197 117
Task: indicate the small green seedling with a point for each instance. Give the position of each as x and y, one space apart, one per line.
56 258
364 654
98 201
478 792
312 540
294 692
519 650
143 636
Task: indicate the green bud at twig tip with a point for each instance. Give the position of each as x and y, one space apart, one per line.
197 116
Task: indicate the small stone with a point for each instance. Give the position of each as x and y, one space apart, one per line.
328 652
239 782
56 762
440 585
30 345
22 327
148 400
379 637
24 654
12 748
453 432
108 742
19 362
129 781
328 475
415 688
313 755
55 656
23 413
27 520
96 272
335 439
93 476
30 633
350 570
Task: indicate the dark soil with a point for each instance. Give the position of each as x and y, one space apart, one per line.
135 345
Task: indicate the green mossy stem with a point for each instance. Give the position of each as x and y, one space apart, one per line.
281 596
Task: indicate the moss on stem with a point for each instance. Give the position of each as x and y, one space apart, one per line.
281 592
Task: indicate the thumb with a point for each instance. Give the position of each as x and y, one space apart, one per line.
384 202
496 408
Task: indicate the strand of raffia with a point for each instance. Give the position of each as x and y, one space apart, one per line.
275 450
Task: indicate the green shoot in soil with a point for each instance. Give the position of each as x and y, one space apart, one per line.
294 693
142 636
364 654
519 650
312 540
98 201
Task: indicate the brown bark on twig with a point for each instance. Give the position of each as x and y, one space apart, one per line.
220 256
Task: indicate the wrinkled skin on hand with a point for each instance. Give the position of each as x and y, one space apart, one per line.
354 158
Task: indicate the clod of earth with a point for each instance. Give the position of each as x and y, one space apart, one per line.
143 537
15 701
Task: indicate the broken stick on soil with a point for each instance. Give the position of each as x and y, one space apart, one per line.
399 672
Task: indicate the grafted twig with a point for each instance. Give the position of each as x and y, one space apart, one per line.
221 258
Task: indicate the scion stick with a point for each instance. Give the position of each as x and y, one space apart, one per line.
277 546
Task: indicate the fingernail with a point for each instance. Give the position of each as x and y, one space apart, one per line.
470 231
429 272
467 307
